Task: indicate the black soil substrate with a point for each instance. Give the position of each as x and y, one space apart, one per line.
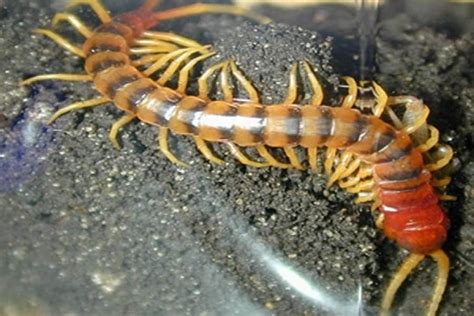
89 230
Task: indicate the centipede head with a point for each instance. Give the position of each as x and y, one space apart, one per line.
138 20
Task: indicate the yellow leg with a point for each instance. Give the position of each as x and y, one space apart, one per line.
379 221
318 94
443 271
249 88
365 197
294 161
447 197
172 68
96 6
272 161
163 142
439 183
381 99
349 182
226 88
66 77
124 120
329 161
77 106
74 21
61 41
366 185
313 159
375 205
147 59
201 8
353 166
147 46
351 96
430 142
407 266
292 86
341 168
164 60
202 81
316 100
204 149
234 149
422 117
172 38
447 154
184 72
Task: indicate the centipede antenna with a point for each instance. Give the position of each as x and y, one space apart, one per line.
410 263
202 8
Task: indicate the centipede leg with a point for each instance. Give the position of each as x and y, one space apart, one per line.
144 47
237 153
290 99
201 8
447 154
379 221
351 96
316 100
431 141
184 72
362 186
341 168
422 116
172 38
96 6
365 197
124 120
173 67
381 99
272 161
206 151
253 96
442 261
65 77
77 106
202 81
163 142
61 41
410 263
164 60
74 21
249 88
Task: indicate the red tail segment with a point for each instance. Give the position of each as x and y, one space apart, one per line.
412 214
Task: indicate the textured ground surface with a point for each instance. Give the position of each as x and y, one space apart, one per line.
86 229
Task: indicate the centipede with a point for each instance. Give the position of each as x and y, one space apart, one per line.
382 149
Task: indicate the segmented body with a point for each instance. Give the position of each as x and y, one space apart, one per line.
413 216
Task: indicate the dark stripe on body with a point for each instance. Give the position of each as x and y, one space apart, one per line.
326 125
106 63
403 175
137 96
119 84
293 125
383 140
